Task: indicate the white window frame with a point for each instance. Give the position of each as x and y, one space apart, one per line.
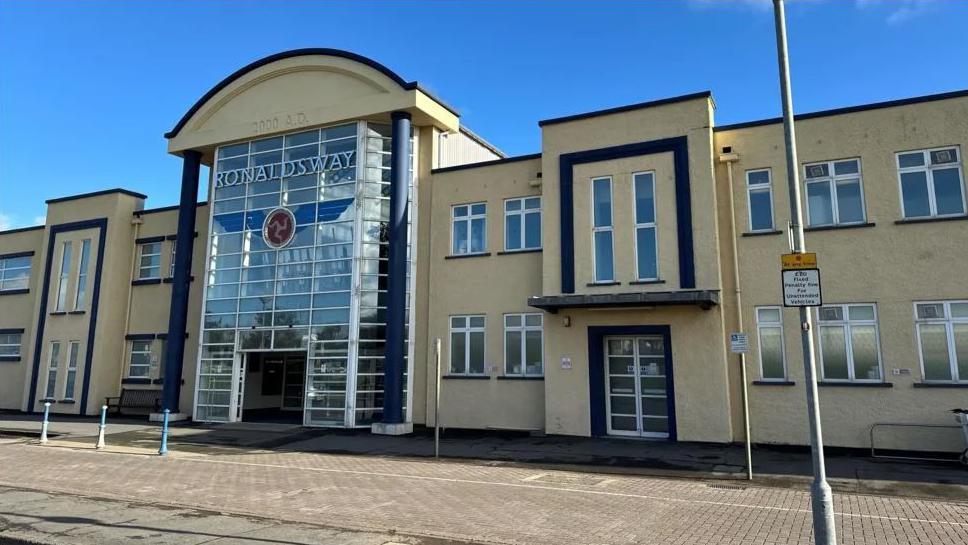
4 269
832 179
846 324
18 344
80 290
53 369
948 321
466 331
750 189
521 214
454 220
171 264
760 326
142 254
60 303
605 228
653 225
132 352
929 170
70 381
523 329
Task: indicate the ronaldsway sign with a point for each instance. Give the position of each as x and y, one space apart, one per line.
801 280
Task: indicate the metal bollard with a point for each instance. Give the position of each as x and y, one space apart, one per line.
164 435
100 431
43 426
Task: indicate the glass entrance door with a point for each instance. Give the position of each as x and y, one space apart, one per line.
636 387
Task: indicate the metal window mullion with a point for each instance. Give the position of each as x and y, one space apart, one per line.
637 376
849 345
356 279
952 353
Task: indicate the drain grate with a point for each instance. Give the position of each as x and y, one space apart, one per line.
727 486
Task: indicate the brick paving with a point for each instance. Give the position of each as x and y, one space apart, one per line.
487 503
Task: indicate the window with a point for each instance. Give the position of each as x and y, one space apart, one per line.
467 345
759 189
602 229
52 364
81 292
769 332
943 340
931 183
849 343
171 264
834 193
72 351
522 224
646 243
10 345
64 275
150 265
469 231
523 345
140 364
14 273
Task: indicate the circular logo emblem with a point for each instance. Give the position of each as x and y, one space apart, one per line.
279 228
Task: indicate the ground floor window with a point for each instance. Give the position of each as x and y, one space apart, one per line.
53 362
943 340
467 345
769 332
139 364
849 343
73 351
523 345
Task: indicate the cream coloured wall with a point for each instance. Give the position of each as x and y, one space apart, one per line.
16 312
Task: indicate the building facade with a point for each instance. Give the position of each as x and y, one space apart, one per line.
589 289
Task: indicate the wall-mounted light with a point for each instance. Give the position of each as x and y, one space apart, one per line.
566 321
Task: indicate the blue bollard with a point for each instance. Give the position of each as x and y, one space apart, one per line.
100 429
43 426
164 435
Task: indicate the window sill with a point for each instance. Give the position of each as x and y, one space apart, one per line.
78 312
464 256
466 377
136 381
774 383
833 383
171 279
941 384
47 400
596 284
931 219
525 377
838 226
761 233
524 251
14 292
59 313
145 281
9 358
645 282
67 402
158 381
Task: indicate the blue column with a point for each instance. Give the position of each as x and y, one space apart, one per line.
178 311
393 366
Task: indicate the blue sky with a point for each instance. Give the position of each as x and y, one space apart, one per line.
88 88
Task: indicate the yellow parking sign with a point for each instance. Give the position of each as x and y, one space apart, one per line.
791 262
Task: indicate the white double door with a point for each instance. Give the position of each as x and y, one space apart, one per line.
637 395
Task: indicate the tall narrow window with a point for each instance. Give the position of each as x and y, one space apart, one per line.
522 224
769 332
65 270
469 228
73 349
646 242
467 345
150 264
52 363
759 190
14 273
834 193
602 229
139 365
943 340
81 293
523 345
849 343
931 183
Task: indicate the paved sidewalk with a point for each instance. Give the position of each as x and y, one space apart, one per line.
475 502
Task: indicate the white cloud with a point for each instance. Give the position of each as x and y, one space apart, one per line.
900 11
6 222
40 220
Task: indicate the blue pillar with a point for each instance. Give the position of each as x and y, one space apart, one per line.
178 311
393 366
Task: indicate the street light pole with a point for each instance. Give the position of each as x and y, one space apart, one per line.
824 530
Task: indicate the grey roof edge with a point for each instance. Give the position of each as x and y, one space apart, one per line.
705 299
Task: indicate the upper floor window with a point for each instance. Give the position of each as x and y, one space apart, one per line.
646 238
769 333
65 269
523 345
467 345
931 183
150 264
139 364
10 345
834 193
171 264
81 292
849 343
14 273
469 231
602 229
759 189
522 223
943 340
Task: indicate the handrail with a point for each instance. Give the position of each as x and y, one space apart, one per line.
920 458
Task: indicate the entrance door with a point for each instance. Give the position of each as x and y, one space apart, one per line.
294 382
636 386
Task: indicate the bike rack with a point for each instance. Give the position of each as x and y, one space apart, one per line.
919 458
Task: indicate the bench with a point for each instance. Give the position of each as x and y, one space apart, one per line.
135 399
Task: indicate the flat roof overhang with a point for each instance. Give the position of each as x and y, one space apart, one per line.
704 299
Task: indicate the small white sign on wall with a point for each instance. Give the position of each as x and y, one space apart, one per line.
739 343
565 362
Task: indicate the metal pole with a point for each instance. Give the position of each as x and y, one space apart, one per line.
163 450
43 426
437 399
100 429
824 528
